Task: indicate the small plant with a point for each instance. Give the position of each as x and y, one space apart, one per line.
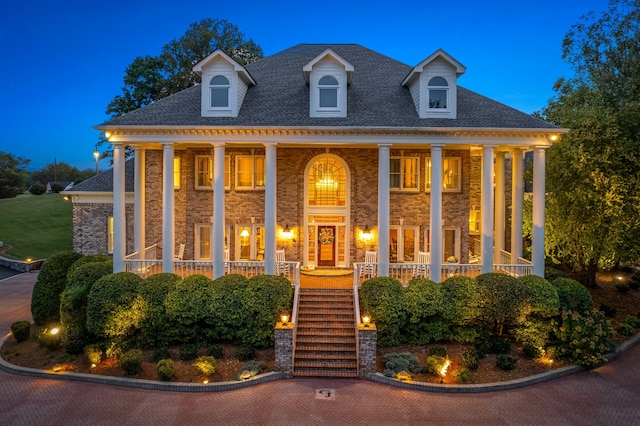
205 365
532 352
188 352
165 370
93 354
161 352
50 338
633 321
245 352
21 330
463 376
505 362
251 368
500 345
608 311
131 362
438 350
470 360
397 362
625 329
215 351
114 351
584 338
622 288
435 364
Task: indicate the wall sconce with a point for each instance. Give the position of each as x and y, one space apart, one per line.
286 232
366 319
366 233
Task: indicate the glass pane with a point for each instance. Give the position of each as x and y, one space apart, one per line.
394 181
244 172
260 243
438 81
205 173
437 98
227 167
245 243
410 173
451 176
219 80
393 245
205 242
409 245
260 171
328 80
328 98
427 174
219 97
176 173
394 165
449 238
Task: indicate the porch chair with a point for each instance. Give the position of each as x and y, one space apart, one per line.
180 254
282 268
368 269
424 259
226 261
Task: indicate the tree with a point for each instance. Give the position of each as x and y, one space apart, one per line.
58 172
148 78
13 174
593 173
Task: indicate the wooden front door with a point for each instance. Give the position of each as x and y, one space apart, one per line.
326 246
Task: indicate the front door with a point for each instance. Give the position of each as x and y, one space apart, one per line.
326 246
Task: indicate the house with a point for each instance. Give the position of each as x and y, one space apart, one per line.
325 152
58 186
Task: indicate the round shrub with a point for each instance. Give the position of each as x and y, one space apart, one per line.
633 321
463 298
573 295
584 338
266 297
206 365
625 329
188 352
425 303
161 352
504 301
535 332
228 311
505 362
131 362
215 351
52 279
500 345
165 369
470 360
187 306
154 290
463 376
384 298
73 301
93 354
245 352
253 367
37 189
543 296
397 362
21 330
114 309
92 258
532 352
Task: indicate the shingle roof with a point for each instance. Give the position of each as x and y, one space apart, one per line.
103 182
376 98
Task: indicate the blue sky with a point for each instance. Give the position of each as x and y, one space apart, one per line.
64 60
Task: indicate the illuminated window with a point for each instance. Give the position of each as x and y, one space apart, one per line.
110 234
250 242
474 221
450 244
204 172
176 173
404 173
438 93
451 174
327 183
204 240
251 171
219 92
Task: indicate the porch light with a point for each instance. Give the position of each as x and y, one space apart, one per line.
284 317
366 319
244 233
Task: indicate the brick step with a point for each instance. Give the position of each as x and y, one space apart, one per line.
317 308
321 340
345 332
326 347
325 373
321 301
313 317
317 291
308 325
329 365
332 356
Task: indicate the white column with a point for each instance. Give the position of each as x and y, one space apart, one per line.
383 210
537 237
270 195
217 252
119 218
517 194
168 220
487 209
435 223
499 207
139 206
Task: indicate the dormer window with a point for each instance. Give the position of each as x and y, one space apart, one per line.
328 92
438 93
219 91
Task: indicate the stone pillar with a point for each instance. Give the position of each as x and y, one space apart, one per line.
367 342
168 209
537 228
435 224
139 207
284 349
270 194
499 208
517 194
119 217
217 253
486 213
383 210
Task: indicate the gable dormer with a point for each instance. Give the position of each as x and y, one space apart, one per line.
328 76
224 85
433 85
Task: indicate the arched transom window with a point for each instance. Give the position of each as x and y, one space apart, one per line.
327 183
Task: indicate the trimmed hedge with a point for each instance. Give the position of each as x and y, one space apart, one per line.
426 301
188 308
21 330
92 258
463 301
229 312
266 297
504 301
543 296
573 295
385 300
52 279
154 291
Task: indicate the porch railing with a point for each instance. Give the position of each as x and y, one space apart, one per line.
144 264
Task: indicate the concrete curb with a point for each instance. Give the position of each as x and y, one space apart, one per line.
137 383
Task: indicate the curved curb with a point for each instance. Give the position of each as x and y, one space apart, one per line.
499 386
136 383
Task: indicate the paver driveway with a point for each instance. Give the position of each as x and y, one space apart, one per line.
609 395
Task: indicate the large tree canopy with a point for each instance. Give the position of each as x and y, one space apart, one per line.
13 174
148 79
593 173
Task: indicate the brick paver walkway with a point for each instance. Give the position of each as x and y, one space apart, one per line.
609 395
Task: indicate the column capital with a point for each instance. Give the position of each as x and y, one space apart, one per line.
216 144
437 145
270 144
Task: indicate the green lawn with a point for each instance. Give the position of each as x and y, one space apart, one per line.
36 226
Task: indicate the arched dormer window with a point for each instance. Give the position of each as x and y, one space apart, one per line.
328 92
438 93
219 89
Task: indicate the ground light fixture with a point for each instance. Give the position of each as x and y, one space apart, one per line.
54 331
366 319
284 317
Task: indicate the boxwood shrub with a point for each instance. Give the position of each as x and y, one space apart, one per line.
543 296
504 301
114 309
229 312
21 330
188 308
154 290
384 299
92 258
266 297
131 362
397 362
573 296
463 298
165 370
425 303
52 279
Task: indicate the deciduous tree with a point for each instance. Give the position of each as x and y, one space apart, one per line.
13 174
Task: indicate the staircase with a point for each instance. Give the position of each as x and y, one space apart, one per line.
325 343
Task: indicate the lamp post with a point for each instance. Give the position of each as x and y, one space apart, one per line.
96 155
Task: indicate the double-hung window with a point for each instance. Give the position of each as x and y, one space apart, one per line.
219 92
328 92
451 174
438 89
204 172
404 173
250 172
